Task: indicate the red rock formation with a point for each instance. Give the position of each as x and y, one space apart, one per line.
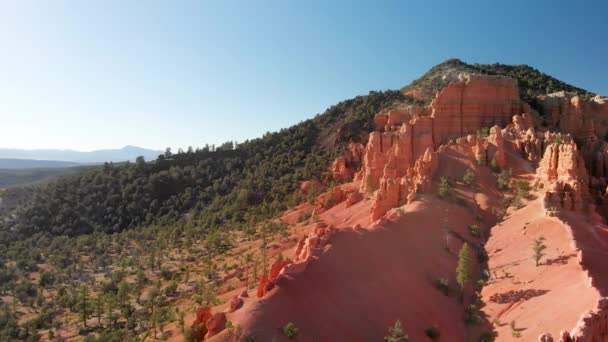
496 145
569 113
396 190
235 304
344 167
262 286
523 122
267 282
202 315
330 198
460 108
215 324
311 244
476 101
380 121
353 198
563 176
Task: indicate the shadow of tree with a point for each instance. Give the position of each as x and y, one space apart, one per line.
516 295
560 260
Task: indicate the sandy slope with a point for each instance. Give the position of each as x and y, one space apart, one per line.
370 278
547 298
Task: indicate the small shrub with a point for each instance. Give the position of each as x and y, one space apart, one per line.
395 333
468 178
444 188
432 333
443 285
514 331
474 230
290 330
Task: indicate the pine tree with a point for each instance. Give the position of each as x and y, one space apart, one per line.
538 249
463 269
83 303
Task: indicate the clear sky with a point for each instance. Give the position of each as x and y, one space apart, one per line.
102 74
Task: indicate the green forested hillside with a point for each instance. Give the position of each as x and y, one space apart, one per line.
214 186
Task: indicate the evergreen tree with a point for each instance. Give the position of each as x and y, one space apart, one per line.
463 269
538 249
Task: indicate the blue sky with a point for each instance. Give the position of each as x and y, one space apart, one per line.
103 74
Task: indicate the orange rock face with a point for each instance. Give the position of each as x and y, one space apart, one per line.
563 175
203 314
215 324
390 164
397 188
475 102
496 141
235 304
569 113
267 282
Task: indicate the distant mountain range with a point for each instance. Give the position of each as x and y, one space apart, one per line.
49 158
14 163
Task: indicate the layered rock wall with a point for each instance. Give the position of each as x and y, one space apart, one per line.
569 113
475 102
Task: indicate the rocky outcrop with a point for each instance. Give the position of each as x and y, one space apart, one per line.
311 244
235 304
398 188
570 113
267 282
591 327
215 324
563 177
476 101
344 167
203 314
497 147
353 198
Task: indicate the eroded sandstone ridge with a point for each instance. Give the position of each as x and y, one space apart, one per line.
399 158
570 113
563 176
